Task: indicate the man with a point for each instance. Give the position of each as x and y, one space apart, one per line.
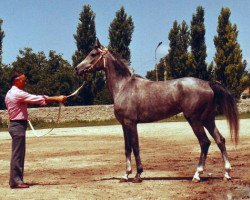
16 101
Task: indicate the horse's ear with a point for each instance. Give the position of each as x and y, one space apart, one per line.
97 44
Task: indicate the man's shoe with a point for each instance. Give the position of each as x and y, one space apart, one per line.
20 186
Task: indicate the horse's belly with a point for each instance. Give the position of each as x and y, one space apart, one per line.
156 114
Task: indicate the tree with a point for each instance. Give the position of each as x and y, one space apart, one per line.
1 40
198 46
2 77
85 36
33 66
4 83
173 50
50 76
210 70
161 67
230 66
245 80
120 34
85 39
102 95
180 61
62 76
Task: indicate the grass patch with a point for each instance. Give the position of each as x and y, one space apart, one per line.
40 124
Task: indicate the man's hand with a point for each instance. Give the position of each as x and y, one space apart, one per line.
61 98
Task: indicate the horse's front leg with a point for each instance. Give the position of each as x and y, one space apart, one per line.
130 131
136 150
128 151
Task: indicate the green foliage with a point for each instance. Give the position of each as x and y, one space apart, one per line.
151 75
120 34
4 83
102 95
1 40
85 36
33 66
3 78
62 76
245 80
161 66
230 67
95 90
52 76
211 72
179 60
198 46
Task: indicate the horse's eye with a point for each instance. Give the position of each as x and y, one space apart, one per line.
92 54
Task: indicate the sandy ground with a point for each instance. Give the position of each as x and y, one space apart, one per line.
87 162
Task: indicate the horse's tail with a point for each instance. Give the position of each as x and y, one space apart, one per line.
226 102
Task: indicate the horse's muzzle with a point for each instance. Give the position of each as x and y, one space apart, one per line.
78 71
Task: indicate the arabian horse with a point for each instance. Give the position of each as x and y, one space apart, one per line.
138 100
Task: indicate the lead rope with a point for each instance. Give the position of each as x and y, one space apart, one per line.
58 116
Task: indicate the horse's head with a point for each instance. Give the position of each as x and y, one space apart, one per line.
94 60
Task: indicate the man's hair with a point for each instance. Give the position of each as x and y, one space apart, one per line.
14 75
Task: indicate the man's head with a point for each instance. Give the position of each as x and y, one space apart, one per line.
18 79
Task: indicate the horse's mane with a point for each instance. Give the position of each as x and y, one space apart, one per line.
138 76
122 66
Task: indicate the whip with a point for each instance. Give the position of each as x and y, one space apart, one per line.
58 116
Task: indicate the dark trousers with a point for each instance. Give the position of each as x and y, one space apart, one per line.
17 130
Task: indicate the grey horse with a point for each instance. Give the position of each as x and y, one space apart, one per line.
138 100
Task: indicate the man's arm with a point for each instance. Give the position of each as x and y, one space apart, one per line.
40 99
60 99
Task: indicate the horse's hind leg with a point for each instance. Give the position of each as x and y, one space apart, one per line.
220 141
204 145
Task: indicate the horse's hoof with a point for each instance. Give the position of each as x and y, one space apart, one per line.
227 178
137 180
195 180
123 180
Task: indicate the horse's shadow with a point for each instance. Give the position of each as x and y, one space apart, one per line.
203 179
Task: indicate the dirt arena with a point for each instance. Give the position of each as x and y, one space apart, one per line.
87 162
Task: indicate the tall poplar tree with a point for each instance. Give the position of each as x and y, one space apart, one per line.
180 64
2 84
1 41
120 34
173 52
85 38
230 66
198 45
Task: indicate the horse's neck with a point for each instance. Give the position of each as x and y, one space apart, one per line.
115 79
